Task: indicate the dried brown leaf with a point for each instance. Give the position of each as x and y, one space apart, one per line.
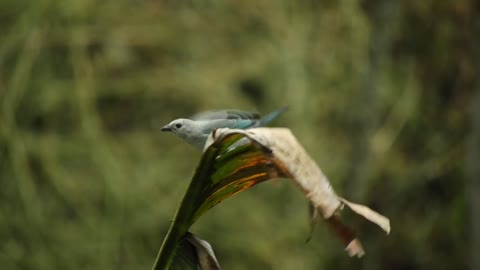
294 162
369 214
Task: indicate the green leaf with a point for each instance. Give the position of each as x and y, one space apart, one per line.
227 167
235 160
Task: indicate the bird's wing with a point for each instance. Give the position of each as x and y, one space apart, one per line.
206 126
226 114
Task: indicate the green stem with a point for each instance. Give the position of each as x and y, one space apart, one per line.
185 215
171 241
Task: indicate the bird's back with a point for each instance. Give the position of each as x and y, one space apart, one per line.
208 126
225 114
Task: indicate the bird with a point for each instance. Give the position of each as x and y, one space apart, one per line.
196 130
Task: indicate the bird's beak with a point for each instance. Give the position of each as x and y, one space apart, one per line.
166 128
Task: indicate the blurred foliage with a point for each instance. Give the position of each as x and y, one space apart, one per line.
379 94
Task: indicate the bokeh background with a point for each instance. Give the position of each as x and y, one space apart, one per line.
385 95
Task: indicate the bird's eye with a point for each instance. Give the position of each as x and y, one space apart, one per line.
178 125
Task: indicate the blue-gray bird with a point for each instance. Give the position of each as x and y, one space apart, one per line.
195 131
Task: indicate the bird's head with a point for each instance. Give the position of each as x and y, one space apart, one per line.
180 127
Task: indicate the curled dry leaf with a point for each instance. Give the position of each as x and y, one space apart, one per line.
206 256
294 162
193 253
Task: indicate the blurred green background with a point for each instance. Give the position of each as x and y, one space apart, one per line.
385 95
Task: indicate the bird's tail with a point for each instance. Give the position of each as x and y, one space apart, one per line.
269 117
